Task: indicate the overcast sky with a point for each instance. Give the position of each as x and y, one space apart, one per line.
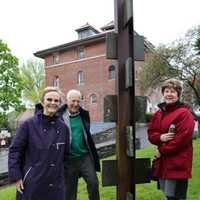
28 26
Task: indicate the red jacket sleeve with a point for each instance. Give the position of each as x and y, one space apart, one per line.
154 129
183 136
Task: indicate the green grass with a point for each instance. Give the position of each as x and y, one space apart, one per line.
143 191
149 192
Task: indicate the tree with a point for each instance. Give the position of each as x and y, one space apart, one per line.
10 84
176 60
33 76
197 43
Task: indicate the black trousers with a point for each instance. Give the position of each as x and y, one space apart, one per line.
83 167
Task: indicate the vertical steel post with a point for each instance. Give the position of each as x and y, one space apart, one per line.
126 96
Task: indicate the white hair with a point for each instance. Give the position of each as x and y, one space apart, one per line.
73 92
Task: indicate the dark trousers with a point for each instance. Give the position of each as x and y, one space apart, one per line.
174 189
83 167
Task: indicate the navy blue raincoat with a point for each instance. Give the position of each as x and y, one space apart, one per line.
37 156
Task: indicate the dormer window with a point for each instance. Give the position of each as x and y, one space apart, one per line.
85 34
86 31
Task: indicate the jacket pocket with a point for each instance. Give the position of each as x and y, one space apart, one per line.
177 163
59 145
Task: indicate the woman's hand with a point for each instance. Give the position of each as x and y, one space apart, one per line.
166 137
157 154
20 186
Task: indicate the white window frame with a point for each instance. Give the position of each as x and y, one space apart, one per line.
93 98
81 78
56 59
81 52
56 81
111 72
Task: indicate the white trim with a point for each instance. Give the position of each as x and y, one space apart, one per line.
74 61
81 78
58 144
91 98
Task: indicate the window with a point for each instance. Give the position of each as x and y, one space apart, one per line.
80 77
111 72
56 81
81 52
93 98
82 103
85 34
56 59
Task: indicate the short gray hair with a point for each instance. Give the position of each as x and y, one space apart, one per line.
73 92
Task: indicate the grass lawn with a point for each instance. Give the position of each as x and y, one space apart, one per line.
143 191
149 191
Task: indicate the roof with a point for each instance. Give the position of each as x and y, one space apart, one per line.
91 39
85 27
97 127
108 26
75 43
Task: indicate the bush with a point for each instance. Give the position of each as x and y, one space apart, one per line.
148 117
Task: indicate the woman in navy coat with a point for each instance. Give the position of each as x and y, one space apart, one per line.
38 151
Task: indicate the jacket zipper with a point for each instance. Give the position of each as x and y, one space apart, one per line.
25 176
86 141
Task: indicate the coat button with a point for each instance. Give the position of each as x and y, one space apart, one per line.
44 129
50 185
57 131
52 165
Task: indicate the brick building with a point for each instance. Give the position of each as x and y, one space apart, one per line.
82 65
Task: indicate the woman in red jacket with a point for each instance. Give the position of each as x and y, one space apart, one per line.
173 164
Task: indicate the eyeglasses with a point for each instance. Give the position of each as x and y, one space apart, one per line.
53 100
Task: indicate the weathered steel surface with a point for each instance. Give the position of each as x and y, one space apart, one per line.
109 175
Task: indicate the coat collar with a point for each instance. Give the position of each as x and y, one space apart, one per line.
39 109
39 112
171 107
64 107
43 122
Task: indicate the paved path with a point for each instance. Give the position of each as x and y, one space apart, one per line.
141 133
3 161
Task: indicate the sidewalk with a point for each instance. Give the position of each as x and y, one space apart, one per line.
141 134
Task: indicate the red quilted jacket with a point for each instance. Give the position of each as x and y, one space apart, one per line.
176 155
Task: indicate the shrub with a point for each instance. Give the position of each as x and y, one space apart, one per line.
148 116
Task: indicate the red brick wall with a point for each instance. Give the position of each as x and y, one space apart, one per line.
95 71
95 67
